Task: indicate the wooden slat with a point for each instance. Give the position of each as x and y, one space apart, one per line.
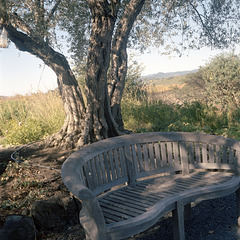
111 216
122 212
231 156
204 153
94 173
130 198
121 201
137 203
87 175
81 176
151 155
163 154
170 153
102 169
157 153
211 153
184 158
99 175
146 157
130 167
117 164
134 155
139 195
218 154
225 155
121 205
112 165
140 157
191 155
176 153
197 153
107 168
122 161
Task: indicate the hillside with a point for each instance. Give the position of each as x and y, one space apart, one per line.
162 75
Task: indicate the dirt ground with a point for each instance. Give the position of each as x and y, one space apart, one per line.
38 177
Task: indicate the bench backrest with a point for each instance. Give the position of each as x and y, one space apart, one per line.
105 164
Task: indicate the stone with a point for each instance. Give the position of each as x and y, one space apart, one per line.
55 214
17 227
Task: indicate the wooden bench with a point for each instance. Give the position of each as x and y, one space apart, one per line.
127 183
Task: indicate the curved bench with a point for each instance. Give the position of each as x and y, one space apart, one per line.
127 183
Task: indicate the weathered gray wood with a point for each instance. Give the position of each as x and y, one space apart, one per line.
184 158
122 161
130 166
134 155
211 153
92 220
151 156
163 154
178 221
140 157
116 160
176 154
170 153
146 157
112 209
113 169
204 153
157 152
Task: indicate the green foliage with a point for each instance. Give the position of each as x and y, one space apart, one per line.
142 117
135 88
25 119
221 77
189 117
217 83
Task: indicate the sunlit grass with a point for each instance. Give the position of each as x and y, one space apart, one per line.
24 119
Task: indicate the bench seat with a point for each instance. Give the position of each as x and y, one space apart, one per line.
126 207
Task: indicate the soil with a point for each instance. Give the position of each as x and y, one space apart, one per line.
38 177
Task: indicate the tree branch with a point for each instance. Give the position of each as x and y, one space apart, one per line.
50 15
203 24
19 23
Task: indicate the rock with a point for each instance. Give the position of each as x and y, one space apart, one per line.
56 213
17 227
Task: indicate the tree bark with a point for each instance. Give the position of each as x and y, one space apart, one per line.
99 122
68 87
119 59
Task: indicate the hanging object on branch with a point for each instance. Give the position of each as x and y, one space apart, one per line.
3 39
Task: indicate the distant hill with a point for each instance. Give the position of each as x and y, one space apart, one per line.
161 75
3 97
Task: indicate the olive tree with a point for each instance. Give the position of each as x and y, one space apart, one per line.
100 31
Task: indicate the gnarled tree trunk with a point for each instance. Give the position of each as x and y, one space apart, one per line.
119 59
68 87
99 122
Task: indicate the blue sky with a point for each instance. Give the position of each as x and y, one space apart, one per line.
22 73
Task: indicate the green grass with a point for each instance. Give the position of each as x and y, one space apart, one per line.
189 117
25 119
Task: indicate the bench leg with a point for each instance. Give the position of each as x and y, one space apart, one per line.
178 222
238 205
92 220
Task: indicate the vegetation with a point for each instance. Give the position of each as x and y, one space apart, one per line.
25 119
98 32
